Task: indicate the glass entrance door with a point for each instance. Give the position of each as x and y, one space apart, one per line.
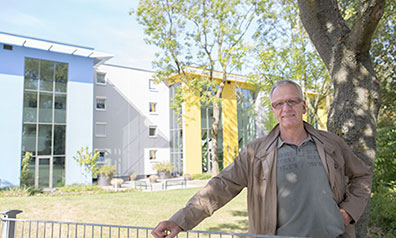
43 172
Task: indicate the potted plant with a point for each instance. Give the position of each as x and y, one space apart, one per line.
164 169
132 176
153 178
105 174
187 176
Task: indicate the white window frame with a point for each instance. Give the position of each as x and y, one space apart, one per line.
156 131
96 103
155 108
105 129
104 76
153 87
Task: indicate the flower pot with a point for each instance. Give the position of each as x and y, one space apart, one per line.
103 180
164 174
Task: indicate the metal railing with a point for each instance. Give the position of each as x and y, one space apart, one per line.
11 227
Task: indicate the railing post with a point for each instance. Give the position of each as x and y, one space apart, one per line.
8 230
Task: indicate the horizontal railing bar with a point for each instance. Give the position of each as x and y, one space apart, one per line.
137 228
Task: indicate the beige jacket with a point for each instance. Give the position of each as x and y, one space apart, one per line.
255 168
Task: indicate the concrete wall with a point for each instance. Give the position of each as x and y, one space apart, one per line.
127 119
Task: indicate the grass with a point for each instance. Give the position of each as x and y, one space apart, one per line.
128 208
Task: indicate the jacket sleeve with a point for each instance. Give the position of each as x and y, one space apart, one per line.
359 183
219 190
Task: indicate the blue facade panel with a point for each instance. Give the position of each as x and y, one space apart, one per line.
79 108
11 108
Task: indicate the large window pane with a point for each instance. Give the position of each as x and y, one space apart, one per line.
60 108
58 171
44 139
60 77
29 139
45 113
30 107
59 140
31 73
46 75
44 172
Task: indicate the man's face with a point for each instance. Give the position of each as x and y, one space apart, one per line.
287 106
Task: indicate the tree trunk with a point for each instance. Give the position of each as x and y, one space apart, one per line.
215 127
345 52
213 134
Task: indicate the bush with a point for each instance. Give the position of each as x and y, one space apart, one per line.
27 178
163 166
202 176
78 188
383 212
107 170
23 191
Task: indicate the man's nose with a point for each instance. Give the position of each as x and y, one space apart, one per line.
287 106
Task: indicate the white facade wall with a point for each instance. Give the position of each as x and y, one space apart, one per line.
126 120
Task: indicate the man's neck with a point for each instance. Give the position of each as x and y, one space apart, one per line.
293 135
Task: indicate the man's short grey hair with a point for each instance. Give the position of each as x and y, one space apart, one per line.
286 81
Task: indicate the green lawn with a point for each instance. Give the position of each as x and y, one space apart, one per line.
129 208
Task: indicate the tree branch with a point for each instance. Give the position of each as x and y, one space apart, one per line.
370 14
324 24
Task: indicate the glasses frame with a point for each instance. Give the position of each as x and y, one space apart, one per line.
292 102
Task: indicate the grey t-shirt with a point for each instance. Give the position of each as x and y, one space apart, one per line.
306 206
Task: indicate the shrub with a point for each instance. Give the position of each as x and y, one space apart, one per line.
23 191
201 176
78 188
164 166
107 170
27 178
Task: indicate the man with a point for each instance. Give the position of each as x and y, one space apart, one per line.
295 177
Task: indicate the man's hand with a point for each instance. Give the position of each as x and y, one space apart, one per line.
166 229
346 217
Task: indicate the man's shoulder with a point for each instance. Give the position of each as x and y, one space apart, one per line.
327 137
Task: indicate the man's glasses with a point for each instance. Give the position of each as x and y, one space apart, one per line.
290 103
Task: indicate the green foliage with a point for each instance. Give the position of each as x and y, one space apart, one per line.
201 176
23 191
284 51
77 188
206 35
108 170
385 164
27 178
88 160
163 166
383 212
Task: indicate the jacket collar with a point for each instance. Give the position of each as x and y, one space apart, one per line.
270 141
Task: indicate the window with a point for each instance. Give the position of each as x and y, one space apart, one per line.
100 129
7 47
152 131
152 154
100 78
101 104
101 157
152 85
44 117
153 107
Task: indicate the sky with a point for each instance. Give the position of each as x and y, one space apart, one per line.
104 25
